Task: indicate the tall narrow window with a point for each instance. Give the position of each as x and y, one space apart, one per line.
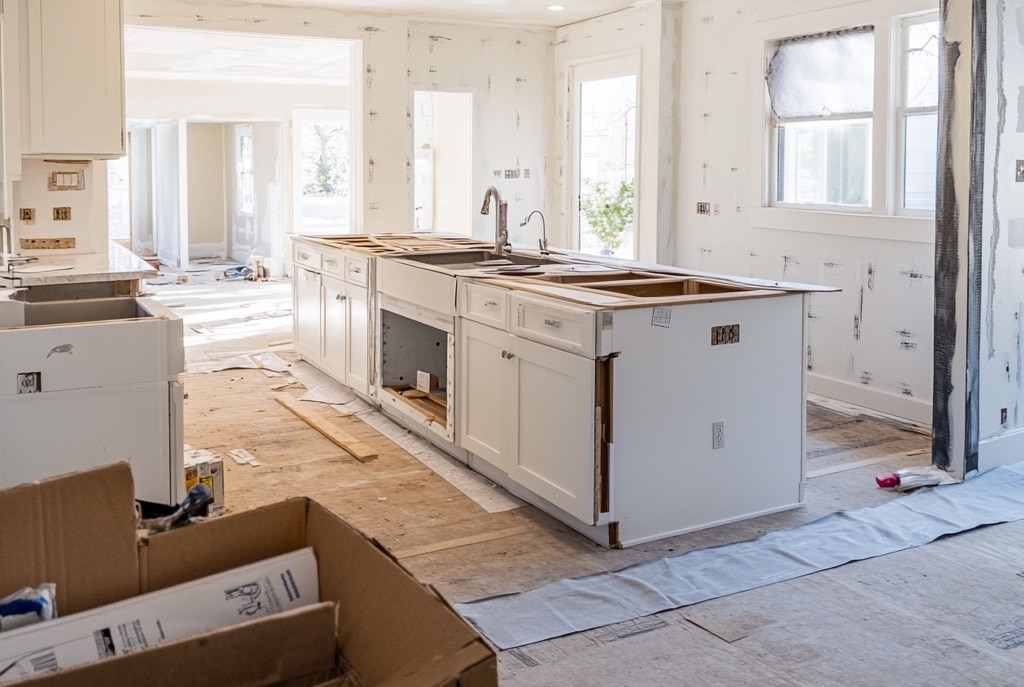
605 145
917 115
822 97
245 181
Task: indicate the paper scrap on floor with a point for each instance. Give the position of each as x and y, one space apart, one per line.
574 605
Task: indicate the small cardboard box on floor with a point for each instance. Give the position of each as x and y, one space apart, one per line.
375 624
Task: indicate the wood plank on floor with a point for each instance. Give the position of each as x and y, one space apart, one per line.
315 418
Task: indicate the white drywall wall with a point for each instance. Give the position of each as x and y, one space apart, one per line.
207 236
871 343
1001 350
651 31
508 72
88 223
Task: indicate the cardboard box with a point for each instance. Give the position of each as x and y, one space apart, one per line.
375 625
206 467
252 591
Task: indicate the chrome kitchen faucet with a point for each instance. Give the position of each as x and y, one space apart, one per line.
500 220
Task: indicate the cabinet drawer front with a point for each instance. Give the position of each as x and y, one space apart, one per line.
333 262
304 255
357 269
484 304
557 325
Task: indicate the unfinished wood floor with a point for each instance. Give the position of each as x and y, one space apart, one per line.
950 612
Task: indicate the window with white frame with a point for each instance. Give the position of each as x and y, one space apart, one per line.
838 140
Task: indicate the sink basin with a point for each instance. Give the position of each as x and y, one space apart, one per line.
477 259
611 277
654 288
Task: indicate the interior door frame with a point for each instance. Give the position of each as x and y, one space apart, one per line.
594 68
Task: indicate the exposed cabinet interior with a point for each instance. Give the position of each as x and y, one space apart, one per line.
408 348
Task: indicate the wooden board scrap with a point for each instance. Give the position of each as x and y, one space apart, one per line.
315 418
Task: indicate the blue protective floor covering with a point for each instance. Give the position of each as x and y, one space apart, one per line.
578 604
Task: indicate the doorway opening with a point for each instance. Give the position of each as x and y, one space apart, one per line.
443 162
233 129
604 145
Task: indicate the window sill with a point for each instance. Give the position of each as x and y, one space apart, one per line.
877 227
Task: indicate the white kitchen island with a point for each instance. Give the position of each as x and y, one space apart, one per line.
633 402
90 376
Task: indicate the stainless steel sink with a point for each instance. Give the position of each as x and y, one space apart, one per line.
479 259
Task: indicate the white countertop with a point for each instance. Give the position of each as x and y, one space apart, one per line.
117 264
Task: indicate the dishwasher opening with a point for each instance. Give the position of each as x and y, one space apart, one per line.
414 367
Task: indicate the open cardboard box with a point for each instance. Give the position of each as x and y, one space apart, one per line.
376 624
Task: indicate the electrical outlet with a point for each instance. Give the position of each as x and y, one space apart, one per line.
30 382
27 214
718 434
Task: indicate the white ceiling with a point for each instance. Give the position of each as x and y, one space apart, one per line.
161 53
518 12
200 55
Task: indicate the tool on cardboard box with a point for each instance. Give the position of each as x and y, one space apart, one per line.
195 504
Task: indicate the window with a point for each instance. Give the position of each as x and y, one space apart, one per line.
837 141
822 95
245 179
323 147
918 114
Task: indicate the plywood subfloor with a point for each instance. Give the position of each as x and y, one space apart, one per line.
948 611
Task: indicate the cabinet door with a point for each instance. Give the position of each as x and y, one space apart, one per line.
73 78
335 330
306 337
483 375
357 362
553 442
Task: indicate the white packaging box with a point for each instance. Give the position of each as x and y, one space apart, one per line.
253 591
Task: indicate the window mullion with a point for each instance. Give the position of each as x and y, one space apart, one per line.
883 126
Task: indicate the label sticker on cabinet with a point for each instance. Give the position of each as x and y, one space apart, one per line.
726 334
661 317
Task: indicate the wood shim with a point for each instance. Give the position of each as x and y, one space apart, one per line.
315 419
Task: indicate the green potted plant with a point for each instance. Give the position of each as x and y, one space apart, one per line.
609 212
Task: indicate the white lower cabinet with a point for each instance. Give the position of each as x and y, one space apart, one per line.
529 410
331 314
334 347
307 313
357 355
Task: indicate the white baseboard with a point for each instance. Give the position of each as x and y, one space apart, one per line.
895 405
1004 449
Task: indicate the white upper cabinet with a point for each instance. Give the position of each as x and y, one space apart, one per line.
72 78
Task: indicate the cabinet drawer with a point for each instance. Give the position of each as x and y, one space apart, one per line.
553 323
306 256
357 268
484 304
333 262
